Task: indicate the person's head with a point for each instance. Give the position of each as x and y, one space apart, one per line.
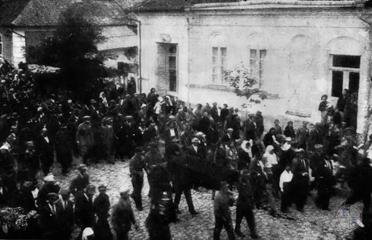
44 132
65 194
205 114
288 167
290 124
230 130
225 105
124 194
86 119
52 197
195 141
276 122
272 131
90 190
324 97
214 104
304 124
138 151
152 90
82 169
224 186
270 149
102 189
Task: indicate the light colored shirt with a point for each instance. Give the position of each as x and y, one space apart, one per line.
269 160
285 177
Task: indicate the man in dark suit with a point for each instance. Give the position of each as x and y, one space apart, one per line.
48 218
122 217
65 214
80 181
101 205
84 209
45 151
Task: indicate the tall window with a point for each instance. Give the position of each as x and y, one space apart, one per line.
256 64
1 45
172 68
219 55
345 74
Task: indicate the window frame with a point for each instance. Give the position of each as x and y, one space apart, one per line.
257 63
345 71
219 64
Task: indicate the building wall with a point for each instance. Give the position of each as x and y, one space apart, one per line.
159 28
7 44
18 47
298 46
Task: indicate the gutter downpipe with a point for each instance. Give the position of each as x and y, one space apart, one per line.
366 120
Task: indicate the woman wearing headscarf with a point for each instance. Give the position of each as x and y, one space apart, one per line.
270 161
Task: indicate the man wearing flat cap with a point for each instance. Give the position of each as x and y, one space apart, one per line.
65 214
80 181
49 186
84 138
84 209
101 208
48 217
136 169
300 181
122 217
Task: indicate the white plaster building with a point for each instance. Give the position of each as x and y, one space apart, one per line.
297 49
26 23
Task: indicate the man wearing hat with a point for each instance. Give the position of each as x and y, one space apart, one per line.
228 137
65 214
84 138
245 205
324 181
48 217
64 147
84 209
81 180
101 205
300 182
49 186
45 150
107 132
222 213
122 217
136 168
29 163
171 129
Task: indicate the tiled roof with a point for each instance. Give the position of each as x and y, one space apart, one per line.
34 13
180 5
10 9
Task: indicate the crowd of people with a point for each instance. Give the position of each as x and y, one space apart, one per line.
273 164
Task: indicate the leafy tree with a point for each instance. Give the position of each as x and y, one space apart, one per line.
73 48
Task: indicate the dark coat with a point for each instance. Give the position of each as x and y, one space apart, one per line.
48 223
79 183
84 210
122 216
102 205
65 217
45 151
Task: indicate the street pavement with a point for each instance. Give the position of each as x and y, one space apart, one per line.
312 224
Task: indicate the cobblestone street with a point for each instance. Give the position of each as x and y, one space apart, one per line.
312 224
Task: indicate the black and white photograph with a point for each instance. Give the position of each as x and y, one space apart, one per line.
186 119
